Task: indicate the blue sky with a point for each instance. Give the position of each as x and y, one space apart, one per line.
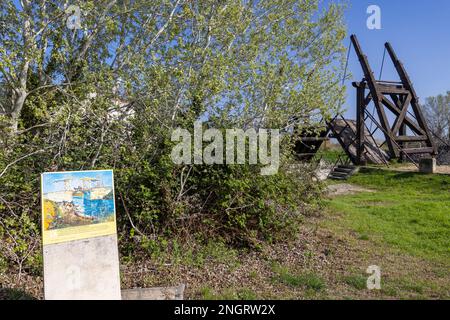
419 32
49 184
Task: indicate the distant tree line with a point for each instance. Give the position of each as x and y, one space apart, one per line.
437 112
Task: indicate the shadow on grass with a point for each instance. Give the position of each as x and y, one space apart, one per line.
407 175
15 294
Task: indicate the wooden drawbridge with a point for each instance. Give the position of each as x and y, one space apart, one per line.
345 132
407 137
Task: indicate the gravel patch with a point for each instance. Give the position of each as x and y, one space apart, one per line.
345 189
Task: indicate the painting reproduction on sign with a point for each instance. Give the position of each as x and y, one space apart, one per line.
77 205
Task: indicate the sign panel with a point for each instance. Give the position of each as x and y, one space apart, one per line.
77 205
85 269
81 259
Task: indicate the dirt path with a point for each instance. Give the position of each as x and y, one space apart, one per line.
343 189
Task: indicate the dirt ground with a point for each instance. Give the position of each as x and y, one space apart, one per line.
336 255
332 257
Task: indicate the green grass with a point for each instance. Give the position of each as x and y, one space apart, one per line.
356 281
194 254
409 285
409 211
331 155
307 280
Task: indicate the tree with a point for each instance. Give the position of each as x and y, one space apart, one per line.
261 60
437 111
109 95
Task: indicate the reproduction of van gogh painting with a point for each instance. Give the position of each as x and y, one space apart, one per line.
77 205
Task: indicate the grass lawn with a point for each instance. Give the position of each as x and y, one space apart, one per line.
402 224
407 211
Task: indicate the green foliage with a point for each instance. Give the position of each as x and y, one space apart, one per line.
177 251
356 281
332 156
233 64
14 294
231 202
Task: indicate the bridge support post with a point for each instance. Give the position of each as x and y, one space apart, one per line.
360 123
402 132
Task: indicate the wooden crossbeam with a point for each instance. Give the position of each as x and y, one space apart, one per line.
408 121
418 150
411 138
406 81
381 92
401 117
377 97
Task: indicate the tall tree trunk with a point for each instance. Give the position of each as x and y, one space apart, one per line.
20 93
18 102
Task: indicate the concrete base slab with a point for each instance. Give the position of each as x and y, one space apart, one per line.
427 165
166 293
85 269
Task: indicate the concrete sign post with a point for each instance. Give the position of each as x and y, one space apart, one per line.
81 258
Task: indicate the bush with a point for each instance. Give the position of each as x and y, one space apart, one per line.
113 101
158 202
